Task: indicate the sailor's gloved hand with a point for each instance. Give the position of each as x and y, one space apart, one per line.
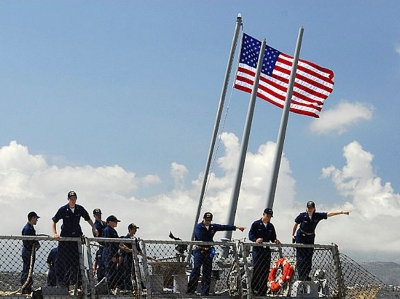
293 239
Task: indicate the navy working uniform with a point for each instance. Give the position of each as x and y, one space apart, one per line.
261 255
110 253
306 235
51 263
128 272
100 226
28 250
67 265
203 255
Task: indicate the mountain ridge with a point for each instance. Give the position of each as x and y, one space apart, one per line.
387 272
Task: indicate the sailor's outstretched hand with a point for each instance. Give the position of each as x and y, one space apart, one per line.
241 228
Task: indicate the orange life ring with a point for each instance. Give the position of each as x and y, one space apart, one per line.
287 271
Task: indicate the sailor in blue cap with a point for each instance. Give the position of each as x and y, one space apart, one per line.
203 255
128 272
111 252
67 266
308 222
98 265
29 248
262 231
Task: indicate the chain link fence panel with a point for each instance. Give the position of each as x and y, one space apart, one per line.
122 267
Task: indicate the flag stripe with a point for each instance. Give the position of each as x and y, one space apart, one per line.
273 84
313 83
277 99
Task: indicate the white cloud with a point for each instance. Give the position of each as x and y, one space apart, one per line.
341 117
28 183
178 172
397 49
375 206
150 179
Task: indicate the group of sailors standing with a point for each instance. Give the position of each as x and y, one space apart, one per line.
113 260
261 231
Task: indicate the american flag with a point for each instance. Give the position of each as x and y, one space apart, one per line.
312 86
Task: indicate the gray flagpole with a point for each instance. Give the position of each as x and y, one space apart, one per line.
284 121
245 141
218 117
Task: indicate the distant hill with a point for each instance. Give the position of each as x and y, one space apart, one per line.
388 272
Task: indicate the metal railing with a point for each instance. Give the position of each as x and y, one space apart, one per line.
161 269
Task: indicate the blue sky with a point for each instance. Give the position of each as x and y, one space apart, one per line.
117 101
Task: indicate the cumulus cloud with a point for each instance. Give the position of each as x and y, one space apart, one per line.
28 182
178 172
374 204
254 185
340 118
150 179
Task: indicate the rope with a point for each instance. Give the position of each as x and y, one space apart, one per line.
218 143
220 130
232 268
29 273
135 269
96 244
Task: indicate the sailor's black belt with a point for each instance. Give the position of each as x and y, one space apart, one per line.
306 233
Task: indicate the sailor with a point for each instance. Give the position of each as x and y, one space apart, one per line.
308 222
128 272
203 255
67 266
51 264
98 222
29 253
98 266
262 231
110 252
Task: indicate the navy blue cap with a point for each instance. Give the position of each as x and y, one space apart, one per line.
310 204
112 218
269 212
208 216
32 214
72 195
